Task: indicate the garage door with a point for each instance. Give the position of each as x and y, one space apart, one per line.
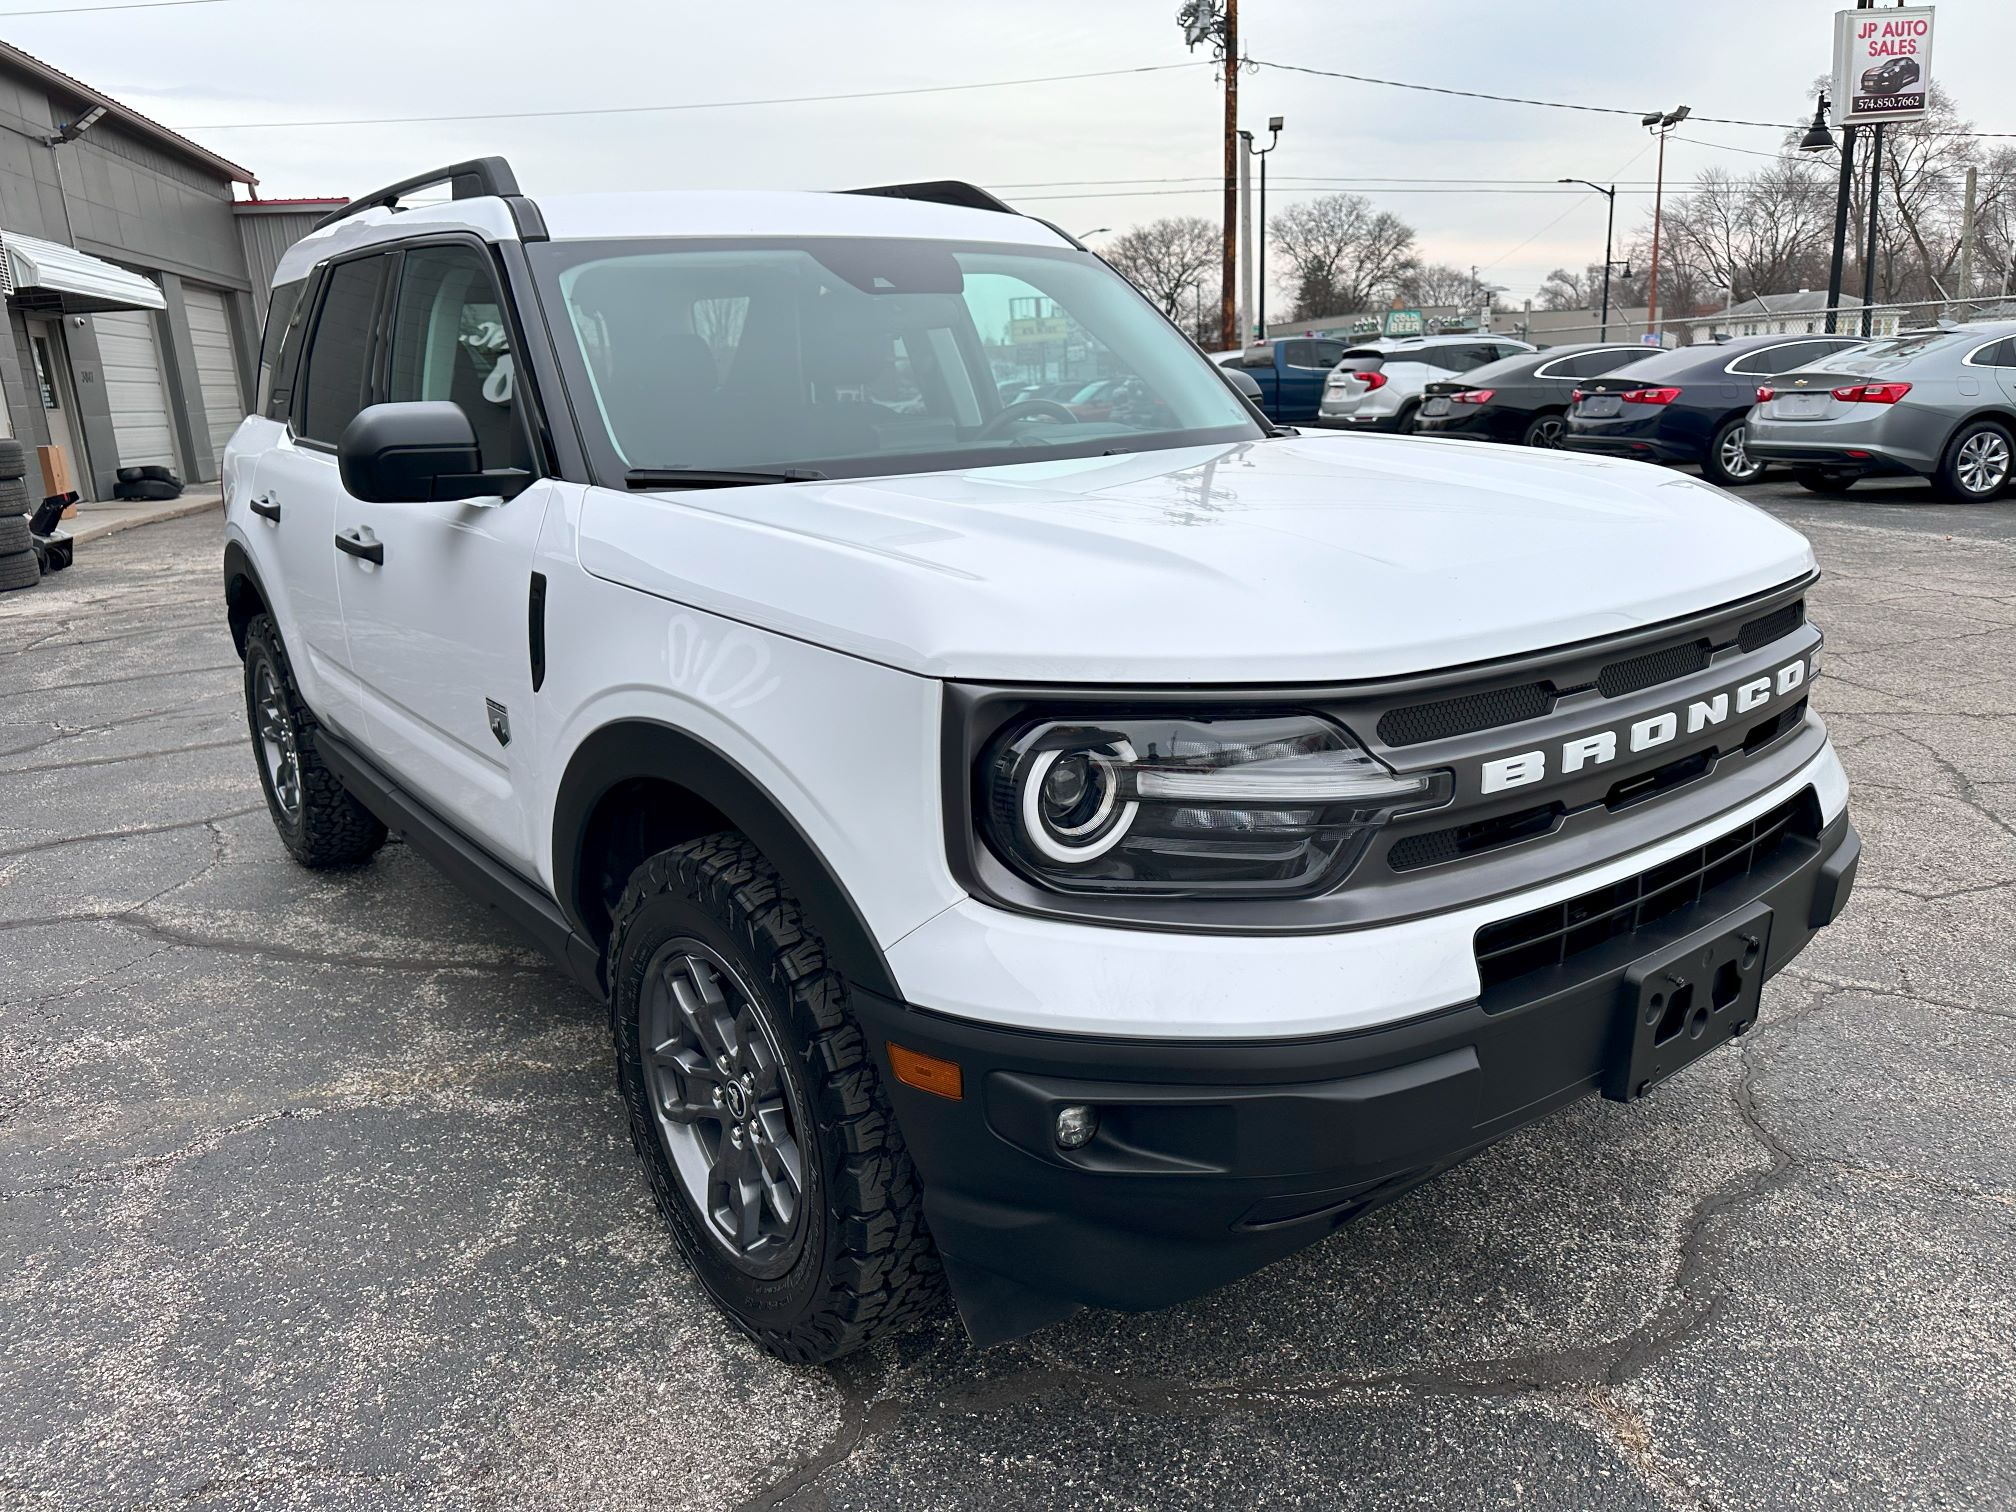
130 358
216 367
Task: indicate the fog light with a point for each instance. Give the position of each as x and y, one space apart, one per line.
1075 1126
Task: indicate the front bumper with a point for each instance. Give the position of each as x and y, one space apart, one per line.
1216 1157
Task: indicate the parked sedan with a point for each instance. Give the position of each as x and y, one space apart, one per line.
1938 404
1378 386
1690 404
1521 399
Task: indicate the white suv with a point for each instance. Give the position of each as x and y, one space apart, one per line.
1378 385
1073 858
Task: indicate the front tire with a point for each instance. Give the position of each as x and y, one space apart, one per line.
1545 431
1728 462
1978 463
319 822
757 1111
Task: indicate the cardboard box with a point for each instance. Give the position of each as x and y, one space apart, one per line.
57 477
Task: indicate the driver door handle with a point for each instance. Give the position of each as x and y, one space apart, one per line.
352 543
266 509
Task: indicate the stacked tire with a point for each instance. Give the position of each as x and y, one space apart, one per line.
19 566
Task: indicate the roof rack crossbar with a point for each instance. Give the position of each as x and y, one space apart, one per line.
941 192
478 176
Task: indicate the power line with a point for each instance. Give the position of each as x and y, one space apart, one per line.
819 99
79 10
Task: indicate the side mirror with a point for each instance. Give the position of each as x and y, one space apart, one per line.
419 453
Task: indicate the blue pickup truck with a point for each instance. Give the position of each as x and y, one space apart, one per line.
1290 372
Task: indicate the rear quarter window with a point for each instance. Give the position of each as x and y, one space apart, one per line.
278 348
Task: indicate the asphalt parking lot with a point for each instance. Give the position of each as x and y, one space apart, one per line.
313 1191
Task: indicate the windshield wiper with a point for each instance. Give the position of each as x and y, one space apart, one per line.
713 477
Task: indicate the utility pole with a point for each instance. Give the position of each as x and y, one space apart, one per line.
1246 335
1967 247
1660 126
1217 22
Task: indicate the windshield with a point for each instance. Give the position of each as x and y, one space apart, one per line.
855 357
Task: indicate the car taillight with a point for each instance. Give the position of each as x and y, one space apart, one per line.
1575 396
1872 393
1766 394
1371 380
1473 396
1650 396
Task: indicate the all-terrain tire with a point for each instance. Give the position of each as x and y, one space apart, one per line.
15 535
864 1264
13 458
21 570
1819 480
15 498
326 827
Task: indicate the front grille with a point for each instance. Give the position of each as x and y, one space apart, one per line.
1653 668
1436 847
1773 626
1468 713
1555 935
1415 723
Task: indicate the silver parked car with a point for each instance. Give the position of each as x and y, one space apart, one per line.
1378 385
1938 404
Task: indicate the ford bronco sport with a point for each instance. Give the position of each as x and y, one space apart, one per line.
1059 860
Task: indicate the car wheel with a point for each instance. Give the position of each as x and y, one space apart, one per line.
1404 424
1728 462
13 458
757 1111
15 535
319 822
1545 431
1819 480
23 569
14 499
1978 462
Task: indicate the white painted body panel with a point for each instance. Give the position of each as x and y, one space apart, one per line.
1317 559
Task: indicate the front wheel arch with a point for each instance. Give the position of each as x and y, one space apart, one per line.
633 782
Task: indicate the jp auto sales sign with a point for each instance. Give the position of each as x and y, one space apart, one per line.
1882 64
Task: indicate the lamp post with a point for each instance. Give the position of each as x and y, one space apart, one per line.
1095 231
1660 126
1274 124
1609 233
1819 139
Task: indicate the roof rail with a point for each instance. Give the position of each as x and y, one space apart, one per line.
478 176
941 192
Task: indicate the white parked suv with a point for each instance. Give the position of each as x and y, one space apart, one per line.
1072 861
1379 384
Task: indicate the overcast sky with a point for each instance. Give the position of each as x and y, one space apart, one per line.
201 67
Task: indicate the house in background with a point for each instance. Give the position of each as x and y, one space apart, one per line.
134 280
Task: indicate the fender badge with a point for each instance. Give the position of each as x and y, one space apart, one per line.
500 721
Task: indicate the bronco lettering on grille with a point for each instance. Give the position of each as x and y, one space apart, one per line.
1603 746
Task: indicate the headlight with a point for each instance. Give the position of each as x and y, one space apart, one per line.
1232 805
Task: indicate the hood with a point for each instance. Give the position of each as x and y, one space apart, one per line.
1312 559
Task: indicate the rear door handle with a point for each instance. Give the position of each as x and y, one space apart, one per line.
352 543
266 509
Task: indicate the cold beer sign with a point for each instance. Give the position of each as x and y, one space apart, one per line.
1882 64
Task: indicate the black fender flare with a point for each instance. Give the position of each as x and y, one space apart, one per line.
644 748
238 568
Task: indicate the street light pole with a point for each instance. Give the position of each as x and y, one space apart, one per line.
1609 236
1259 267
1660 126
1819 138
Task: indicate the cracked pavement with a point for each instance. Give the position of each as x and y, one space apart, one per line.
314 1193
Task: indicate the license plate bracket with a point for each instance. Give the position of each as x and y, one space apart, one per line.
1435 407
1678 1004
1604 407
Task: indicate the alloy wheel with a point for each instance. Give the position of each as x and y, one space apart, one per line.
725 1112
277 748
1548 432
1983 463
1735 457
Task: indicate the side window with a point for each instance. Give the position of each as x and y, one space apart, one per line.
1328 354
450 341
2001 355
1446 359
1589 364
1477 356
283 309
338 365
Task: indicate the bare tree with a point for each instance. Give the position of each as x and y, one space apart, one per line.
1167 259
1566 290
1446 284
1342 254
